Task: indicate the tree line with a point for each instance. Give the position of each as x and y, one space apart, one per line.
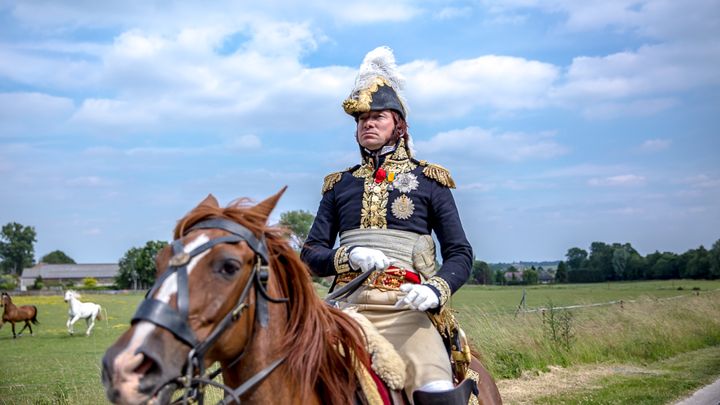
610 262
621 262
603 262
136 266
17 249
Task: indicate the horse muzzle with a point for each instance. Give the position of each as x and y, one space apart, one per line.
140 376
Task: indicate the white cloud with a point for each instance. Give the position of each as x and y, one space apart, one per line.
100 151
670 19
630 211
373 11
636 108
702 181
449 13
655 145
635 82
231 145
169 17
104 112
87 181
661 19
159 152
245 142
163 79
44 69
482 187
21 112
650 71
6 167
163 82
623 180
455 89
478 142
583 170
92 231
520 185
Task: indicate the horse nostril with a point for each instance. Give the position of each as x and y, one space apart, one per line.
151 372
145 366
113 395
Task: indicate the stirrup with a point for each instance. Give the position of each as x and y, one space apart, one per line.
460 395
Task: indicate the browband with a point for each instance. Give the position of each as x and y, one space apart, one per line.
257 245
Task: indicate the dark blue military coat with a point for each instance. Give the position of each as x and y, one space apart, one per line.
396 192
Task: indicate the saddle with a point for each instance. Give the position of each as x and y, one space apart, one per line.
383 384
386 363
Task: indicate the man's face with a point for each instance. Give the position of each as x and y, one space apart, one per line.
375 128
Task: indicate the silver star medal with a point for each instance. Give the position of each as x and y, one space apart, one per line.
405 182
402 207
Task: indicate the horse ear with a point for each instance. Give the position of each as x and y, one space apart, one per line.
210 200
265 207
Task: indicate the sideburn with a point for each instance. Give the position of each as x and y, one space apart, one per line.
400 130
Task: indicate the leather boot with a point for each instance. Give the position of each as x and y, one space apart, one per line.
460 395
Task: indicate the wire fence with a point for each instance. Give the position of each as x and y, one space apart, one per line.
608 303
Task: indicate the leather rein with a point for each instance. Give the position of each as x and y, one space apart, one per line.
176 320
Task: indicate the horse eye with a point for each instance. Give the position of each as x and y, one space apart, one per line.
230 267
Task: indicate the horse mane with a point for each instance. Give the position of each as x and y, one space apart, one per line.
323 345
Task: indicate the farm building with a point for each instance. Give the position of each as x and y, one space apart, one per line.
546 276
69 274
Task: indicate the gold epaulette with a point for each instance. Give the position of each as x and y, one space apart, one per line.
331 179
438 173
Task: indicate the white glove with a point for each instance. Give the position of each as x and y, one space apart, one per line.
419 297
368 259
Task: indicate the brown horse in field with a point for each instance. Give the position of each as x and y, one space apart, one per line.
13 313
231 290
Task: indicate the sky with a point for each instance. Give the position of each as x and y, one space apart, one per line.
562 122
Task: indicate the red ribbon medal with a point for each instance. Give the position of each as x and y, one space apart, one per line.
380 175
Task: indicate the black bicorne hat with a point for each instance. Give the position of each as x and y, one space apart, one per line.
378 85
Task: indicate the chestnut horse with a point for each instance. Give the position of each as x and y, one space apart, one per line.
13 313
231 290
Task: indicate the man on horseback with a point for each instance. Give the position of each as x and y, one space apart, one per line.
384 210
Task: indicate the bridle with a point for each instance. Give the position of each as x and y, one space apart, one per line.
176 320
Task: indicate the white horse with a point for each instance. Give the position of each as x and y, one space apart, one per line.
87 310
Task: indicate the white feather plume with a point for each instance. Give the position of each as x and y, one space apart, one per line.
380 62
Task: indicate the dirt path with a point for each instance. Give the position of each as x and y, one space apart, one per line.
708 395
528 388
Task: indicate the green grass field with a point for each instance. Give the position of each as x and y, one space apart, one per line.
652 329
53 367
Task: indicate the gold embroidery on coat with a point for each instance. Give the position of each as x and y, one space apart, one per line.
375 195
442 286
363 171
330 181
438 173
399 162
341 260
374 205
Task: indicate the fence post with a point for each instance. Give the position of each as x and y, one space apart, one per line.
522 304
